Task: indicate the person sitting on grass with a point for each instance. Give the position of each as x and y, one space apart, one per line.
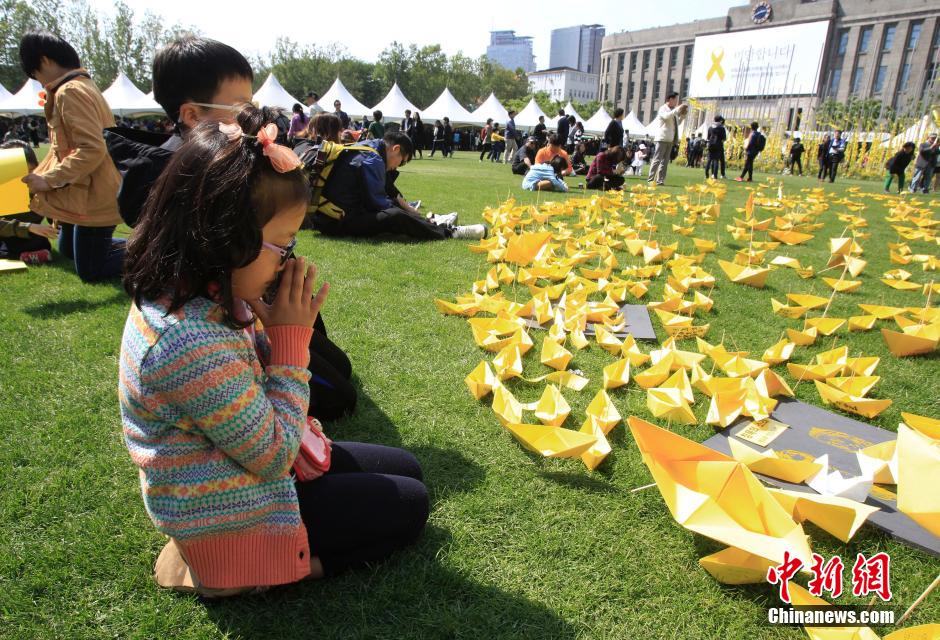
359 197
897 164
324 127
552 149
213 384
377 127
75 184
525 157
23 236
546 176
579 163
603 173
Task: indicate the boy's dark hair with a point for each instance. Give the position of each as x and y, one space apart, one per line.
561 112
906 145
719 119
376 115
554 140
618 112
754 126
205 213
615 154
327 126
397 137
672 94
559 165
572 120
192 69
31 161
512 112
35 45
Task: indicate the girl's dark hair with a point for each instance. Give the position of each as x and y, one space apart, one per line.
559 164
192 69
38 44
204 216
325 126
299 110
615 154
31 161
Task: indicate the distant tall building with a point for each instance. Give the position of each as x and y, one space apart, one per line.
511 51
577 47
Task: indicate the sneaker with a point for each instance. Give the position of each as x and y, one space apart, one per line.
469 232
42 256
739 179
415 205
448 219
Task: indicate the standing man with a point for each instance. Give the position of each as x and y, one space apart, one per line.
665 132
407 124
717 134
613 135
755 144
540 132
796 156
339 113
512 139
836 154
448 138
563 128
924 167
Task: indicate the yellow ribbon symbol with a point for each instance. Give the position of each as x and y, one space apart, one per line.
717 55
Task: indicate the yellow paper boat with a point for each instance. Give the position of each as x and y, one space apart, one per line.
807 300
791 237
508 362
656 374
826 326
819 371
785 311
838 516
607 341
617 374
800 597
904 344
868 407
552 442
552 408
668 403
854 385
601 447
803 338
507 409
843 286
861 323
901 285
919 472
711 494
631 351
481 380
726 406
779 352
882 312
554 355
751 276
734 566
467 310
603 411
769 463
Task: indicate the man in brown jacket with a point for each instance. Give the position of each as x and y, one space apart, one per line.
76 184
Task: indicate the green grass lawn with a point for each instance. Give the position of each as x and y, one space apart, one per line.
516 546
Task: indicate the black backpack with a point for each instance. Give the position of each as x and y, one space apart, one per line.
714 140
760 143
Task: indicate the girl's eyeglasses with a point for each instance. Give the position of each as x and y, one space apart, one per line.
234 108
286 253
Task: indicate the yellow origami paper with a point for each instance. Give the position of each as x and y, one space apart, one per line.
507 409
449 308
807 300
861 323
854 385
839 516
601 447
779 352
552 408
524 248
918 452
772 385
734 566
881 312
800 597
567 379
843 286
880 461
803 338
617 374
552 442
907 343
680 380
826 326
814 371
711 494
668 403
785 311
508 362
791 237
751 276
603 411
631 351
607 341
554 355
481 380
578 339
901 285
655 374
771 464
14 194
868 407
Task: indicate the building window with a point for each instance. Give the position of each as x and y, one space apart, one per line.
656 89
889 37
620 59
688 55
930 76
857 79
673 56
646 60
834 81
905 77
914 35
631 89
633 61
642 116
864 40
880 78
643 87
659 58
685 88
619 93
843 42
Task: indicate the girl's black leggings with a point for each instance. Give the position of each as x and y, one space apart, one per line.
367 506
332 395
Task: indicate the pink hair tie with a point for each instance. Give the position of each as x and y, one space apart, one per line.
232 131
282 158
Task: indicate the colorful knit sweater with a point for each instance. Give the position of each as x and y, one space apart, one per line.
215 435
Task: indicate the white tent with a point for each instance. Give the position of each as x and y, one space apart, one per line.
125 98
349 104
25 101
571 111
272 94
447 105
632 124
916 133
491 108
598 122
394 104
529 116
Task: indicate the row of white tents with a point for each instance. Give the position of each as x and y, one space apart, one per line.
126 99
